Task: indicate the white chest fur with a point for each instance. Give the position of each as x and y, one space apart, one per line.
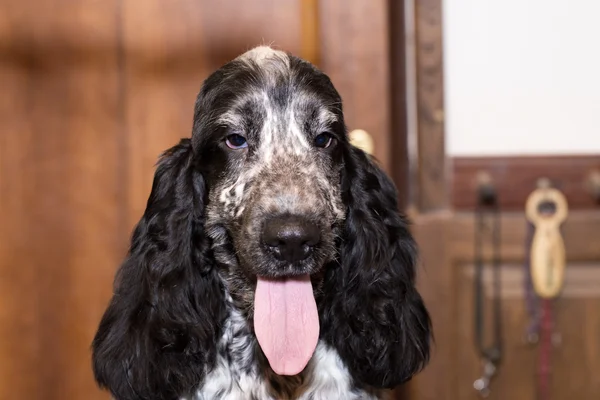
236 375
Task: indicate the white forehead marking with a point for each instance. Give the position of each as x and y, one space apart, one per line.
268 132
298 141
262 53
281 138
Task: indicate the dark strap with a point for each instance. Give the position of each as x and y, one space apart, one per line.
487 230
545 360
531 299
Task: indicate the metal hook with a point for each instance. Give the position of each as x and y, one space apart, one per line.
486 191
482 385
543 183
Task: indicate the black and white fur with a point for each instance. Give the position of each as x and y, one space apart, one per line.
180 323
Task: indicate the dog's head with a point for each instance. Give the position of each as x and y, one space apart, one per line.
268 198
268 132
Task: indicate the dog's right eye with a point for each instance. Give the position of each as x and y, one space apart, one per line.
324 140
236 142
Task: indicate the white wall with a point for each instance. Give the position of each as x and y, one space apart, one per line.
522 77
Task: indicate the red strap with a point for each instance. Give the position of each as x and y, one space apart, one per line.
545 363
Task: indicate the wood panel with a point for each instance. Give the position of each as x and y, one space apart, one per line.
60 196
514 178
399 159
355 54
446 242
516 376
436 285
432 182
311 33
574 360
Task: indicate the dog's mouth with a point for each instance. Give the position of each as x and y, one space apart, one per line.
286 322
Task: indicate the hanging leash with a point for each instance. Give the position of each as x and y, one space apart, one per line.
545 261
487 226
532 302
545 356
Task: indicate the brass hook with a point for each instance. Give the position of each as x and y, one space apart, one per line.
593 184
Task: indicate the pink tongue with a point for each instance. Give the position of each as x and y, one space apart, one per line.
286 323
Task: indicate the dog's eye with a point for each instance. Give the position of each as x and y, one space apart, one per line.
236 141
323 140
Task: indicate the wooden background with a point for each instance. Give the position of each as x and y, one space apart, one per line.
91 93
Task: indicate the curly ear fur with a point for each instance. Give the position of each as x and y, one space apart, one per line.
371 312
159 332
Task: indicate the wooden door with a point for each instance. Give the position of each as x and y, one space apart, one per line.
92 92
63 222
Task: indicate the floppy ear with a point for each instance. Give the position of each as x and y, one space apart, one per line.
159 331
372 314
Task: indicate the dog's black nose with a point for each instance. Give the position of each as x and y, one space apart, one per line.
290 238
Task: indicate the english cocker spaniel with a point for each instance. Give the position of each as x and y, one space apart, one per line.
271 261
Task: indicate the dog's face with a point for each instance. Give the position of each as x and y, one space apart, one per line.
268 132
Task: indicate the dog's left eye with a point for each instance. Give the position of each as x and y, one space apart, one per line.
236 142
323 140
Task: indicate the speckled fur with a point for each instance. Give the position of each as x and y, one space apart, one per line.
180 323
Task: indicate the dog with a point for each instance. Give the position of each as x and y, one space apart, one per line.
271 261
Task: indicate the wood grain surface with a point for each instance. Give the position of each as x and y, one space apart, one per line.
514 178
447 244
432 184
61 236
355 54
